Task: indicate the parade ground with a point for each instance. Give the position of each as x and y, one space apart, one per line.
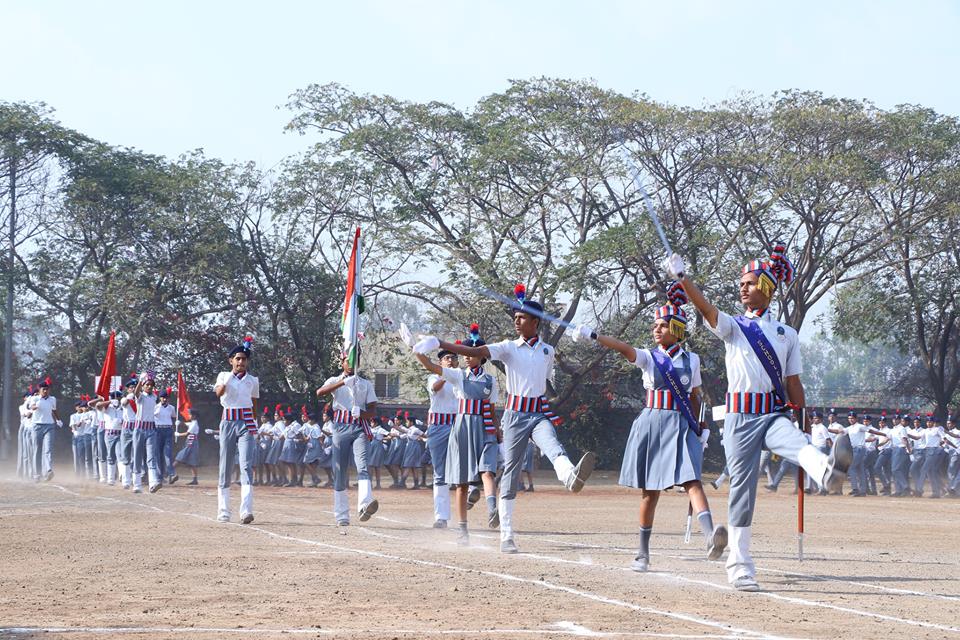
83 560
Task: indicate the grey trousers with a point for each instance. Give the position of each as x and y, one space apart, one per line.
744 437
164 451
437 442
234 439
858 471
42 449
348 440
900 467
518 428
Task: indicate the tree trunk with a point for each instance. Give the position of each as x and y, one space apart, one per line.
8 413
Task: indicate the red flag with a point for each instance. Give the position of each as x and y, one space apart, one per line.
109 369
183 397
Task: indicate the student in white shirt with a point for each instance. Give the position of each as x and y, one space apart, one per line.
25 438
76 432
354 403
45 419
164 417
189 455
932 457
664 448
128 407
902 447
755 400
238 391
145 460
527 414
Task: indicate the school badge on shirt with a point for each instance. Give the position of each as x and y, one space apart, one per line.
684 380
781 334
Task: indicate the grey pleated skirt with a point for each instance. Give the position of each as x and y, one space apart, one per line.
662 451
190 454
470 450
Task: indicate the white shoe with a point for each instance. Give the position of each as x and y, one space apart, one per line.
223 517
718 542
508 546
746 583
581 473
640 564
368 510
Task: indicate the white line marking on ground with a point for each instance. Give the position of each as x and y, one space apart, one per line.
578 630
690 618
321 631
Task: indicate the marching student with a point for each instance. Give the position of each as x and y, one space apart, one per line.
145 435
763 374
238 391
952 438
75 431
820 437
43 408
111 419
471 455
412 452
444 405
25 438
377 451
529 364
857 431
88 449
932 439
902 445
871 453
395 450
276 447
354 402
289 456
665 445
264 471
189 455
164 416
128 405
882 466
313 433
325 461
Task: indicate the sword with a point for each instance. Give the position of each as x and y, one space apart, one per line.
516 306
635 176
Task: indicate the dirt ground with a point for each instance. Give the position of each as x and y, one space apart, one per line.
89 561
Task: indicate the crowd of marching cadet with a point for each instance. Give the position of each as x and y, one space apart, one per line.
893 456
115 440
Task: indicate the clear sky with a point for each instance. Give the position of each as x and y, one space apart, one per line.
167 77
171 76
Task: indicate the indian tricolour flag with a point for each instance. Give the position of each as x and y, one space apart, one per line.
353 304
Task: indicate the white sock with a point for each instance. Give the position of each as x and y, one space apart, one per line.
223 501
441 502
341 506
814 462
364 493
739 562
563 468
506 518
246 499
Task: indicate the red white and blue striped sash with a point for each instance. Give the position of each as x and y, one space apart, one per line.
474 407
525 404
441 419
345 417
244 415
128 424
660 399
747 402
143 424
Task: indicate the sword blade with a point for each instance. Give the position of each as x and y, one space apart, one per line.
648 203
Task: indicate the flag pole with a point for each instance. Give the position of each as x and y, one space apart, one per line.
801 490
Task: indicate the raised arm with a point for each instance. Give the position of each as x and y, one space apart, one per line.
331 386
464 350
624 349
432 368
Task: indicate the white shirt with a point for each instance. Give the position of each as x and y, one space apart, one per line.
858 434
921 443
291 430
888 434
75 425
870 444
26 416
312 431
146 407
113 419
932 436
379 433
744 371
456 377
528 368
344 399
43 409
193 427
279 428
240 392
164 415
129 415
414 433
90 422
444 400
897 435
819 435
644 361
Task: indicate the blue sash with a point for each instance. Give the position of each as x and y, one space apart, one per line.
680 395
766 355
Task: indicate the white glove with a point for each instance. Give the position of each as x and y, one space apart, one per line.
209 432
350 382
426 344
59 424
583 332
704 436
405 335
675 267
355 411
